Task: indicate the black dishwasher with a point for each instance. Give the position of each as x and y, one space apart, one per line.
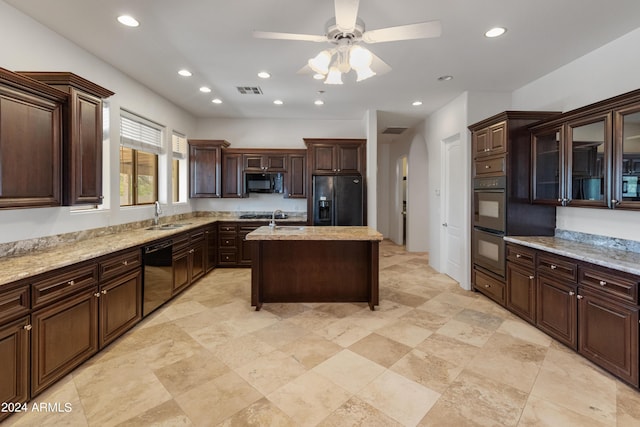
158 275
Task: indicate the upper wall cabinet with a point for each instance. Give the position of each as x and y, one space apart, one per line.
205 157
590 157
336 156
82 146
30 142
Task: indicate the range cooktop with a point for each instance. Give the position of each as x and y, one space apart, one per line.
263 216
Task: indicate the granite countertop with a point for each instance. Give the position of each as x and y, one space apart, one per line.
596 254
13 268
315 233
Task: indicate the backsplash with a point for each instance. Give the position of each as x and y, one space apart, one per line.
597 240
21 247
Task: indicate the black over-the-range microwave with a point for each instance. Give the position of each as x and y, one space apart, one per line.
264 182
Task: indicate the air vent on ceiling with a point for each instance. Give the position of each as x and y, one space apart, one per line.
249 90
393 131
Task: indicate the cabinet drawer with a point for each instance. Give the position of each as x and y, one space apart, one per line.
119 264
14 301
180 241
62 283
489 286
521 255
495 166
558 268
227 228
227 240
611 282
228 258
197 236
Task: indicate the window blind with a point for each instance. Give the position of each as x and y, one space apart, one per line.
179 143
139 133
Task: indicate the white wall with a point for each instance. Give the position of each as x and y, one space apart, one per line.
603 73
27 45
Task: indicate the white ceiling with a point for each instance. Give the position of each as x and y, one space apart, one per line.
213 39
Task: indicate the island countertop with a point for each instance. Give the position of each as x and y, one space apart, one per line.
315 233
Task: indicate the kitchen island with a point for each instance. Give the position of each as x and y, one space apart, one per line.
314 264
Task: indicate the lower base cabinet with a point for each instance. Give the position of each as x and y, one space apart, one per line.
14 362
63 336
557 310
120 306
521 292
608 335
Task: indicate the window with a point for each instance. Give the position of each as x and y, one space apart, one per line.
179 168
140 145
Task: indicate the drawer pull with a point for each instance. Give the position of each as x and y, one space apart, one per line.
518 256
487 149
553 267
71 282
571 293
603 283
125 262
487 286
487 167
191 251
532 277
27 327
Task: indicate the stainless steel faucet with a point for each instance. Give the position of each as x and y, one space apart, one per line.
156 212
272 224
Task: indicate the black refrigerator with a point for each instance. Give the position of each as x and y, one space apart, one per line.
338 200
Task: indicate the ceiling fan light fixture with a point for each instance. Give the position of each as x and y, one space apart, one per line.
359 57
495 32
319 76
320 63
334 77
364 73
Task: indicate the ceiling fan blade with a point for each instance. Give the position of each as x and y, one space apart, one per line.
305 70
289 36
379 66
346 14
423 30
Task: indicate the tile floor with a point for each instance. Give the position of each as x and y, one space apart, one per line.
431 355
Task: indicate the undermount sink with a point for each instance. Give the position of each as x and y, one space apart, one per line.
289 227
165 226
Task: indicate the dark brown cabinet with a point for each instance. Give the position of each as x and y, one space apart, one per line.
336 156
82 147
296 179
64 335
227 245
490 140
265 162
582 157
556 309
232 185
30 142
205 163
189 262
211 246
521 291
244 255
14 362
608 334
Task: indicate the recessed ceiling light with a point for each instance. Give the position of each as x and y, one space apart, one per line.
495 32
318 76
127 20
205 89
278 102
264 75
217 101
318 102
445 78
185 73
416 103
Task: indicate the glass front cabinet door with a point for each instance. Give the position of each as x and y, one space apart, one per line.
589 156
548 159
626 159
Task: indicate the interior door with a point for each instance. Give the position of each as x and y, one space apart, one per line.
453 209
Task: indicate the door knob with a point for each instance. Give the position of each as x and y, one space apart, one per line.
444 224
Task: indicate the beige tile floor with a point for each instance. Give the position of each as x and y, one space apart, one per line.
431 355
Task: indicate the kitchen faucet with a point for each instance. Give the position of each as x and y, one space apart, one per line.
272 224
156 212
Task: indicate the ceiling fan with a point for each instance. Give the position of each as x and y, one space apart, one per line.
346 31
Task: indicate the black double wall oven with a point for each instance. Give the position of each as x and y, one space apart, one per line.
489 224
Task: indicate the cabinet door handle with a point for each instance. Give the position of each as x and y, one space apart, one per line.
580 297
603 283
104 292
192 251
553 267
571 293
532 277
97 295
27 327
518 256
